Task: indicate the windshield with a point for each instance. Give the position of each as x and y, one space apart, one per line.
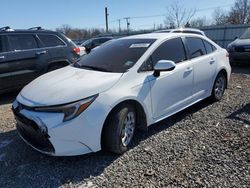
116 56
246 34
87 42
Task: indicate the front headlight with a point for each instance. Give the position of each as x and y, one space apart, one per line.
70 110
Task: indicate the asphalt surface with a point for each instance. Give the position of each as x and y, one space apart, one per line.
206 145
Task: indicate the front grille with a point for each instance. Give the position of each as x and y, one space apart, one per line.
31 132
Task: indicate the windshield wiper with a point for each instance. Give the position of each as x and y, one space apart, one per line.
95 68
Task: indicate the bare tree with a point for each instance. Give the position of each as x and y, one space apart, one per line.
177 15
76 33
220 16
199 22
240 12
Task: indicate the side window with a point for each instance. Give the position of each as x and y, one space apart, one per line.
195 46
96 42
104 40
209 47
2 48
172 49
22 42
50 40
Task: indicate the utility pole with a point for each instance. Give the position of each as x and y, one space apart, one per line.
119 21
106 19
127 20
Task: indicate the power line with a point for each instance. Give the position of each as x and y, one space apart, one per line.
163 15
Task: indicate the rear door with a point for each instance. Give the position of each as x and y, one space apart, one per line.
55 46
22 58
4 69
204 66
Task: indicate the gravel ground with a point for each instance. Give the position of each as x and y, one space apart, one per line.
206 145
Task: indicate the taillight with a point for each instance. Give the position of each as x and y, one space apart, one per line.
76 50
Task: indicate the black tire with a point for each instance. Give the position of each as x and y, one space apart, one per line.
217 95
114 129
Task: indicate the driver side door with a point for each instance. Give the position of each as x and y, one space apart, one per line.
172 90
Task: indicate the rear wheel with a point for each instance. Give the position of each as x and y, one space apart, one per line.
119 129
219 87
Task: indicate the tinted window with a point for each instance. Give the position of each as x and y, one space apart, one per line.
22 42
196 47
246 34
102 40
209 47
172 49
87 42
50 40
116 56
96 42
1 44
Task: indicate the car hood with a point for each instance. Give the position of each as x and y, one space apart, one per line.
66 85
241 42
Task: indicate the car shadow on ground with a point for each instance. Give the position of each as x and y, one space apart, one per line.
170 121
241 69
241 114
24 164
8 98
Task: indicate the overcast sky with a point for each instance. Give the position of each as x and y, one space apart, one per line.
90 13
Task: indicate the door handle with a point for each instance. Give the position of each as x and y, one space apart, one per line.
41 52
189 69
212 61
2 57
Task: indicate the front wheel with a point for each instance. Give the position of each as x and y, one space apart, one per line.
219 87
119 129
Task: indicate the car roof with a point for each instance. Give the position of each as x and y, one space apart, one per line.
160 35
10 30
180 29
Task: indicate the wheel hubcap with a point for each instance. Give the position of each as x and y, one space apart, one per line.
219 87
128 129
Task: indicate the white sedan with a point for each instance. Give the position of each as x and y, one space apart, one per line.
127 84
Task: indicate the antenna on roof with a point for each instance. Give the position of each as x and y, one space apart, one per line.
36 28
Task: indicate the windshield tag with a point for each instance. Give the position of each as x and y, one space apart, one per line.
141 45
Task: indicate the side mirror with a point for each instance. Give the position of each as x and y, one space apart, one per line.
236 37
163 65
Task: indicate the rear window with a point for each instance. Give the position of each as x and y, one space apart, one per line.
115 56
195 46
22 42
209 47
51 40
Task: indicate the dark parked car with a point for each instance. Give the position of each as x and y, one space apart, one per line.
239 49
26 54
94 42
